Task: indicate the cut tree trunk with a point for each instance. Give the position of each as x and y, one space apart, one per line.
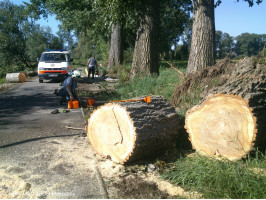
16 77
130 131
231 121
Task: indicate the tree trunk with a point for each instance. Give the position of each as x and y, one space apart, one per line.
231 121
133 130
202 51
145 58
16 77
116 51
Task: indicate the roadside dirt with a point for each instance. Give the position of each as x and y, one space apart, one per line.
138 182
7 86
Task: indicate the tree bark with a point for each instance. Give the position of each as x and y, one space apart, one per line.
145 58
16 77
133 130
116 50
202 51
231 121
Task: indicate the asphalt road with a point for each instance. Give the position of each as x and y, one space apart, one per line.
39 156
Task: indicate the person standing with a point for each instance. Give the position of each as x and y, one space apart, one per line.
92 64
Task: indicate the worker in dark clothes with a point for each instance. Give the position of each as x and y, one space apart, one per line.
68 89
92 64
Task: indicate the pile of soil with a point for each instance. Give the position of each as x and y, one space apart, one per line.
138 181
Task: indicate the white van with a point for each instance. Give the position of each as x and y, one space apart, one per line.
54 64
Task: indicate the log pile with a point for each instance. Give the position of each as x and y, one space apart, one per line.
16 77
130 131
230 122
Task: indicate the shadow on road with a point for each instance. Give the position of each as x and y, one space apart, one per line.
36 139
16 103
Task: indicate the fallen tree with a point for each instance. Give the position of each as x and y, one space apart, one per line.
130 131
16 77
230 121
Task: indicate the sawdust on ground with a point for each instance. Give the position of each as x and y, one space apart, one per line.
129 182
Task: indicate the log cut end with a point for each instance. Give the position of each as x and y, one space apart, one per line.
131 131
16 77
223 125
111 132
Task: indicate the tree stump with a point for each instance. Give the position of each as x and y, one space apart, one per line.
130 131
16 77
231 121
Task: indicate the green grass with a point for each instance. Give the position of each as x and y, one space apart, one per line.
2 80
163 85
220 179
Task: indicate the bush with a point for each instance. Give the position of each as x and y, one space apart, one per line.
11 69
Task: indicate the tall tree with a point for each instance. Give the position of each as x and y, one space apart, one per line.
202 51
113 12
36 41
67 37
145 58
174 19
224 44
85 16
12 37
249 44
116 47
74 15
120 15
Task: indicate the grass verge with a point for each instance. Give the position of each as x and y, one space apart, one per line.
2 80
162 85
220 178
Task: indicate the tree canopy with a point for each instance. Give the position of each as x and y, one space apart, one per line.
21 40
12 37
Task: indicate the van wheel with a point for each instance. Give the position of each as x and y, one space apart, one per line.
40 81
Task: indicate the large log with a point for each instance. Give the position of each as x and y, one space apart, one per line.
130 131
231 121
16 77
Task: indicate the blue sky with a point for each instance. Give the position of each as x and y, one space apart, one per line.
236 18
231 17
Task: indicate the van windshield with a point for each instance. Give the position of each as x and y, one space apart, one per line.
53 57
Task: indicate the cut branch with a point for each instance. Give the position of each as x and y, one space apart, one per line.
171 65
